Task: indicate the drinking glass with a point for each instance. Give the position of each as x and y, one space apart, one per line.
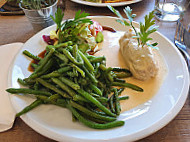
170 10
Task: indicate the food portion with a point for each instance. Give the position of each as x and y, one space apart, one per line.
135 47
68 76
139 60
72 72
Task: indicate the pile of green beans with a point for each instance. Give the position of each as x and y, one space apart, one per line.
69 78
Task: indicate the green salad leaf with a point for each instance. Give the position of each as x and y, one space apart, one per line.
74 29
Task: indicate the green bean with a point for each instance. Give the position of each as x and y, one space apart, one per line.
94 95
110 77
95 101
34 65
27 91
90 75
117 103
51 99
119 80
42 98
86 61
52 87
78 69
22 82
93 124
46 67
65 44
57 73
83 81
123 75
102 99
64 69
61 102
97 59
36 86
44 60
120 91
30 55
111 102
80 98
123 98
98 112
69 83
70 57
128 85
71 74
29 107
91 113
75 73
95 89
63 86
96 69
75 51
121 70
50 75
102 67
62 57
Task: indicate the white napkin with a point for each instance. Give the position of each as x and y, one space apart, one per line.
7 113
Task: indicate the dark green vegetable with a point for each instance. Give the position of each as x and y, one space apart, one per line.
93 124
65 44
70 83
95 89
30 55
91 113
44 60
117 104
96 102
63 86
22 82
56 73
123 98
86 61
52 87
111 103
30 107
70 57
128 85
27 91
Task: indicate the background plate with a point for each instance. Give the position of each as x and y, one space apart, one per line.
56 123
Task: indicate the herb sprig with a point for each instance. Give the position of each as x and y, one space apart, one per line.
145 29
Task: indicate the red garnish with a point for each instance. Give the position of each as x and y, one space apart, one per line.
48 40
95 28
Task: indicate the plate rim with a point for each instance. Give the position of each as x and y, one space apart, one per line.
105 4
169 117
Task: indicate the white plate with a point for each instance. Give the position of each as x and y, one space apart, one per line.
55 122
105 4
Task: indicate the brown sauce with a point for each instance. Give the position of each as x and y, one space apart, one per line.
106 28
41 55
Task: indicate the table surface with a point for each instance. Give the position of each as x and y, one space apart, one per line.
18 29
